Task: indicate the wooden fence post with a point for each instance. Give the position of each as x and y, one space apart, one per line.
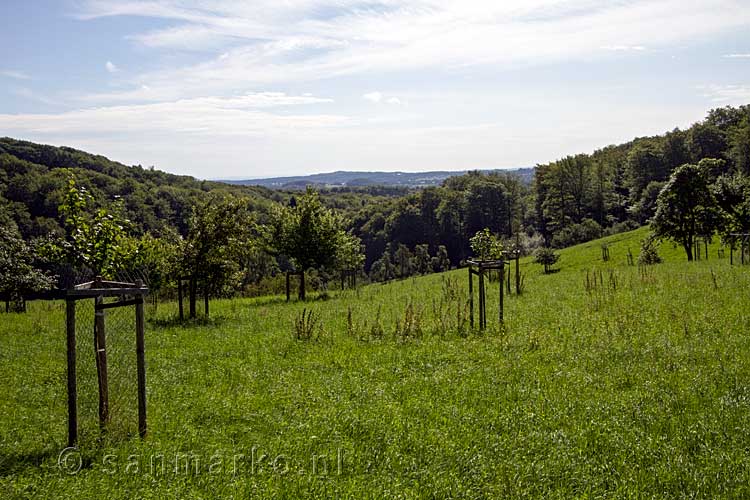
482 310
70 324
100 345
288 294
179 298
502 299
471 296
518 274
140 349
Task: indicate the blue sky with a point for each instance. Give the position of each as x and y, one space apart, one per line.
220 88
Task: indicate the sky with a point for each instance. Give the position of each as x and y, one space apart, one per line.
265 88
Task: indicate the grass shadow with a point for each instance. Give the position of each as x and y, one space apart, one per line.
13 463
175 321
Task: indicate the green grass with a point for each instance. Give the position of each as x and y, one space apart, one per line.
637 390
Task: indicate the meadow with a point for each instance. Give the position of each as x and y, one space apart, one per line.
606 381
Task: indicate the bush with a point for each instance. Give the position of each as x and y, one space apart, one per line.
649 254
547 257
574 234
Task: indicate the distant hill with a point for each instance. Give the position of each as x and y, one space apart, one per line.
358 179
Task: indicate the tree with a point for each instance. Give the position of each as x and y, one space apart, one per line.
732 194
644 165
18 274
422 260
685 207
309 234
404 261
216 228
383 269
441 262
547 257
486 246
349 255
739 141
97 241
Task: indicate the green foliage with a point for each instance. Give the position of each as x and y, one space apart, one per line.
547 257
649 254
97 241
308 233
349 253
441 262
18 271
686 207
422 259
218 230
577 233
486 246
404 261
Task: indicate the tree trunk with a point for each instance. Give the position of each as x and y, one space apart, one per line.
302 286
689 250
192 292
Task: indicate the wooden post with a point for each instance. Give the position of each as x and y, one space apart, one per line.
518 273
140 334
731 253
302 285
192 291
100 346
343 275
288 294
471 297
70 324
179 298
205 300
506 279
502 272
482 305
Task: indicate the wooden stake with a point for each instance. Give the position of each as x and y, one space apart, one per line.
179 299
518 274
502 300
471 297
70 324
482 305
100 346
140 334
288 292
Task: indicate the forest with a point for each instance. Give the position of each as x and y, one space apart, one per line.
66 206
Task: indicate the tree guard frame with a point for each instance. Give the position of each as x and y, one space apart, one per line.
129 294
478 268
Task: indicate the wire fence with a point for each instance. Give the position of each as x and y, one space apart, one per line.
118 364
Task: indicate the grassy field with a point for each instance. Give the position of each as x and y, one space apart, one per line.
636 385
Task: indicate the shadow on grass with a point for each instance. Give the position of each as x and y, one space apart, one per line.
175 321
12 463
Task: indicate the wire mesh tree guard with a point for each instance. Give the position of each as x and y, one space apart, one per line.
479 268
79 300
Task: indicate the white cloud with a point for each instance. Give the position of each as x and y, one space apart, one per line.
16 75
394 100
727 94
270 42
737 56
375 97
111 67
624 48
241 115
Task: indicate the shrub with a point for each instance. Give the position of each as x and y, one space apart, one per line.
547 257
649 254
574 234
